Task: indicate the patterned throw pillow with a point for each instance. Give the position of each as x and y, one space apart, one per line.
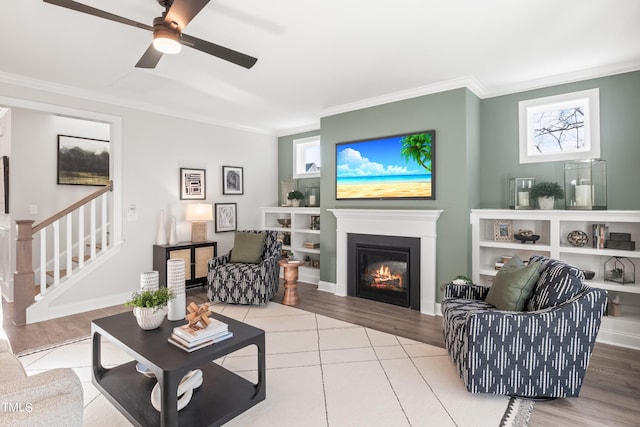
559 282
513 284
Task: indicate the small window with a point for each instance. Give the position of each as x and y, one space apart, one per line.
306 157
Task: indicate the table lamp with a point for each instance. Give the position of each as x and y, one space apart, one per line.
199 214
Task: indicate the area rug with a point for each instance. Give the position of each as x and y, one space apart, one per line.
321 372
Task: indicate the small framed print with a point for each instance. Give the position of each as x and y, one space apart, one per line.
225 217
232 180
503 230
192 184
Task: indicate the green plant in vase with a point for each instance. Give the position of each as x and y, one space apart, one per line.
296 197
546 194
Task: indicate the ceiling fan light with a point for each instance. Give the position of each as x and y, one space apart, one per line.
166 41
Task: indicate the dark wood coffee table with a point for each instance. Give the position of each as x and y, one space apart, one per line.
222 396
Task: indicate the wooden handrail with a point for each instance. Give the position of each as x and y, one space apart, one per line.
71 208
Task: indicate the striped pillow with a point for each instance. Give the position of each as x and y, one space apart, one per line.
558 282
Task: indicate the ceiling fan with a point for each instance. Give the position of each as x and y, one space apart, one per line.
167 31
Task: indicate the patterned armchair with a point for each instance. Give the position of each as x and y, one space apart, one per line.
543 351
240 283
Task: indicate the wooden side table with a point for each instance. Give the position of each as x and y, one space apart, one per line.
290 281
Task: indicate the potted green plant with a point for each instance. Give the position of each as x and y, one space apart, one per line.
295 196
546 193
150 307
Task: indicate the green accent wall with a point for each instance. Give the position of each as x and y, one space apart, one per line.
619 141
476 152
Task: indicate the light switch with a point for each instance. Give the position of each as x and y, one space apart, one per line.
132 213
33 209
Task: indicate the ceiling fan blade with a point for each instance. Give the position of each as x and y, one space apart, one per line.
150 58
221 52
79 7
183 11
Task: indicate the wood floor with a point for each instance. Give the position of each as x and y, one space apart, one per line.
610 395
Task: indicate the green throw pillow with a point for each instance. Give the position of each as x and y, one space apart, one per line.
513 285
247 247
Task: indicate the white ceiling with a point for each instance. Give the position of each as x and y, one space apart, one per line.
317 57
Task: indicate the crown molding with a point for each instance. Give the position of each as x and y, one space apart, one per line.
468 82
95 96
311 127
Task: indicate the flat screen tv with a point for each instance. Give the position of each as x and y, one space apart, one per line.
391 167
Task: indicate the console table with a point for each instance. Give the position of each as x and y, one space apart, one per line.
222 396
196 260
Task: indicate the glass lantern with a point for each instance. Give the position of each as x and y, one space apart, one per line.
519 193
585 183
313 196
620 270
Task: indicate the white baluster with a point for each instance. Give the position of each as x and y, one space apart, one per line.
104 222
80 237
43 261
56 252
92 231
69 245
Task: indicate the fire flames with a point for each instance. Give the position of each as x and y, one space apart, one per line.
384 278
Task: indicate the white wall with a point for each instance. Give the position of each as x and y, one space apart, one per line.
154 147
6 273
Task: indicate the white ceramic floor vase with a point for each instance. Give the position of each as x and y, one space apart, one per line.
176 283
149 281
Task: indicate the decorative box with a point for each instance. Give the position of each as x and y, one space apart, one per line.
585 184
519 189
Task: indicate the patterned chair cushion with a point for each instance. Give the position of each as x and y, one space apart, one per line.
558 282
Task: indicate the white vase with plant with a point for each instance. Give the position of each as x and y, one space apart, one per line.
546 194
150 307
296 197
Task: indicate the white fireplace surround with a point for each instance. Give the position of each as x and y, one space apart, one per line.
390 222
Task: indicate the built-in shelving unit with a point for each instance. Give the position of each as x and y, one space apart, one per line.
553 227
297 234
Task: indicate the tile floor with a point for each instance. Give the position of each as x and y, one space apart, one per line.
320 372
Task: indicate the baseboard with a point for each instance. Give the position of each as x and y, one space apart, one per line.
327 286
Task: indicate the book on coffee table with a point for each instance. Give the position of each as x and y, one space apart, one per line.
195 345
196 333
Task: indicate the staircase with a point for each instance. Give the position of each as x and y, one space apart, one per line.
70 243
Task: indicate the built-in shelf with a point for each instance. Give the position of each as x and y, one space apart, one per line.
298 232
553 227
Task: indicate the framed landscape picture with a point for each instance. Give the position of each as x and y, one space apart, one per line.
82 161
225 217
192 184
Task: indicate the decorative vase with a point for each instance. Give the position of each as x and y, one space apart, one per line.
162 233
149 317
546 202
149 281
173 239
295 203
176 283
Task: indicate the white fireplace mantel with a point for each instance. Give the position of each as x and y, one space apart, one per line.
421 224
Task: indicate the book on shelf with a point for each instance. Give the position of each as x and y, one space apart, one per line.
599 235
311 245
197 333
192 346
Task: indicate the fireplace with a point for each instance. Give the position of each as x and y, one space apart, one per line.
384 268
415 223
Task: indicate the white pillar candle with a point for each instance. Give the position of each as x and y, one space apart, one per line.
583 195
312 199
523 198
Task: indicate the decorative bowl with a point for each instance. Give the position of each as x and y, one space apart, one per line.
588 275
577 238
524 239
285 222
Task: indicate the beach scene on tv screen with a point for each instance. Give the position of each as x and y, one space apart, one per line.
391 167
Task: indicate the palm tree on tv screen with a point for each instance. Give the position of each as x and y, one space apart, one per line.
418 148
